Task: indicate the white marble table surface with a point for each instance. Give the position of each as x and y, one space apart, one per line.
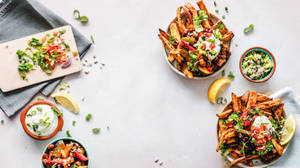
152 112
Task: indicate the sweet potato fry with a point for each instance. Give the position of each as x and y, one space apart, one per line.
230 141
222 137
163 33
235 104
189 19
278 112
278 147
266 112
202 6
171 57
228 36
187 73
175 32
166 42
224 114
180 22
245 97
261 98
243 158
251 100
192 9
268 104
223 30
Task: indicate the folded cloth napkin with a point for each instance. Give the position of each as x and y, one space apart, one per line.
19 18
291 106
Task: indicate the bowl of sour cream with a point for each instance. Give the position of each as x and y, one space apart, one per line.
41 120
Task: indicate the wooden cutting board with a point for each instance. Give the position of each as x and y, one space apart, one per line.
9 74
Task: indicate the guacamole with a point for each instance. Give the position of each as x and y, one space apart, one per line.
257 65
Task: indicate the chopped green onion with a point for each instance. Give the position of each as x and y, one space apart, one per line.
88 117
76 14
40 99
96 130
92 39
172 39
2 121
226 9
231 75
248 29
74 123
63 31
217 11
68 133
84 19
223 17
223 72
63 86
215 3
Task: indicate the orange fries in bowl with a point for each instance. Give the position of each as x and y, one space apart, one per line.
197 43
249 130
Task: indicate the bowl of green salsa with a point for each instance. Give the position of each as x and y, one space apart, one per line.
257 64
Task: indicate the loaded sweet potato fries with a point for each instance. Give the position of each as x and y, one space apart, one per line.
250 128
198 43
65 154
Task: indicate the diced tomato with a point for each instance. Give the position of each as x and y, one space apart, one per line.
203 47
200 34
182 43
247 123
80 156
209 69
263 127
268 137
52 66
186 45
207 35
229 124
260 141
212 46
200 56
50 146
259 148
255 136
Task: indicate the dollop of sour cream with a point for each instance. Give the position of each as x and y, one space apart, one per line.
210 45
41 120
263 120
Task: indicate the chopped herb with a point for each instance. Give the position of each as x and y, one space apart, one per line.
220 26
76 14
223 17
35 127
219 100
172 39
96 130
74 123
35 42
223 72
248 29
63 86
217 11
258 112
2 121
224 150
88 117
40 99
68 133
66 45
84 19
56 112
28 125
234 117
92 39
54 165
39 109
63 31
226 9
231 75
215 3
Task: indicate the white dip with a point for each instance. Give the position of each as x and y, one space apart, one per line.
41 120
263 120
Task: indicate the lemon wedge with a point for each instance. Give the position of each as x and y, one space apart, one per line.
288 130
66 101
216 88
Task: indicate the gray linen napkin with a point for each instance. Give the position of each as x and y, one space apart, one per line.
19 18
292 106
